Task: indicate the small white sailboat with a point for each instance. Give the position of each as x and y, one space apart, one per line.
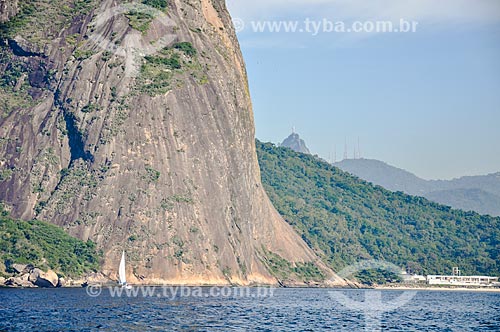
122 274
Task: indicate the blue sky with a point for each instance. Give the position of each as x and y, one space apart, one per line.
428 102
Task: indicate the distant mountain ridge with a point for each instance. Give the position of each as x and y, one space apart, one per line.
469 193
468 200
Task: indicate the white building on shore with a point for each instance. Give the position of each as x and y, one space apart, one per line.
482 281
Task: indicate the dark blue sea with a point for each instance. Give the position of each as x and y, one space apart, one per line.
285 310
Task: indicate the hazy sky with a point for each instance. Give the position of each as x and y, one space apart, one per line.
428 102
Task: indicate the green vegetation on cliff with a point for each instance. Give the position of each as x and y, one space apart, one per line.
350 220
14 83
284 270
40 21
45 246
161 72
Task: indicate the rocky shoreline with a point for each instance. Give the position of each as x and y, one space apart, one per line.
29 276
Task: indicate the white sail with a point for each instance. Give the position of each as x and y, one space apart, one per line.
121 270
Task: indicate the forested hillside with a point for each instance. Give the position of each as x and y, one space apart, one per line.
43 245
350 220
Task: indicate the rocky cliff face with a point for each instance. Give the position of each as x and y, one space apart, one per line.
8 8
132 126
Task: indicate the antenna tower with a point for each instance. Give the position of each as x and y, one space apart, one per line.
345 150
359 149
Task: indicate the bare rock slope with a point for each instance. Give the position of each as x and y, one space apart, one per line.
134 129
8 8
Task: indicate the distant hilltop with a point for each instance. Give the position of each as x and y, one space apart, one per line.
295 143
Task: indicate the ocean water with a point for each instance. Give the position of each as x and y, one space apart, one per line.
285 310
